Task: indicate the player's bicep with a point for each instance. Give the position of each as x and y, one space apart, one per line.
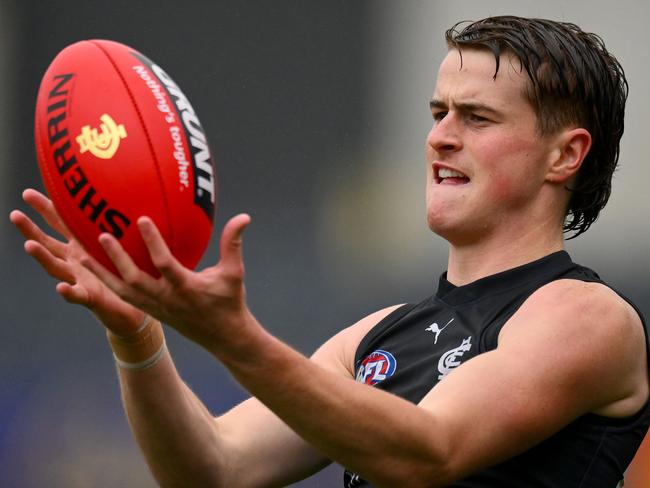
262 450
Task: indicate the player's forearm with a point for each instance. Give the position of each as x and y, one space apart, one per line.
175 431
385 439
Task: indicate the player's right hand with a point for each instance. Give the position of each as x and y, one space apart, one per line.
61 259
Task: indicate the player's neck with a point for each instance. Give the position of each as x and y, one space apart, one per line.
501 252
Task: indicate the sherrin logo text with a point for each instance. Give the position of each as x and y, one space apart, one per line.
90 203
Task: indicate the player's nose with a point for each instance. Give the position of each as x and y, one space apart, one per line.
444 135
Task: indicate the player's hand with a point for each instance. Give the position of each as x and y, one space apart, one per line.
208 306
62 259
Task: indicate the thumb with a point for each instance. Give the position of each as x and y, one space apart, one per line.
230 245
76 294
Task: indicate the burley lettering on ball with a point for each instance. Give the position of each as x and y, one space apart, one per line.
117 139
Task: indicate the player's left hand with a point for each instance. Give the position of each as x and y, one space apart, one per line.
208 307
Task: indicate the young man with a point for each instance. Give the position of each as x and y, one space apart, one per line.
524 369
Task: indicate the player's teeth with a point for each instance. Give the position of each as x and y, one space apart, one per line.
449 173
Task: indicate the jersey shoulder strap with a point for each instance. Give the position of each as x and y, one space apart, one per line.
383 326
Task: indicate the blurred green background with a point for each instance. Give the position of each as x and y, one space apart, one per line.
316 113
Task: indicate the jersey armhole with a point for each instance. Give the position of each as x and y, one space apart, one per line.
382 325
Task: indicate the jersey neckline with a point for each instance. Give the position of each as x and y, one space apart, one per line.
502 281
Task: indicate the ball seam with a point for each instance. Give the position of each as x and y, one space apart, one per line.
149 142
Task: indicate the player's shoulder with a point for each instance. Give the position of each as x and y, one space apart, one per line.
592 320
569 323
584 301
568 307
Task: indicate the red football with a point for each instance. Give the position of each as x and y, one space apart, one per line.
117 139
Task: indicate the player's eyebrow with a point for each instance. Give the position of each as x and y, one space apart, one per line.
464 107
439 104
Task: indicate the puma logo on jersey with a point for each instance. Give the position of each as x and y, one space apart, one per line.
451 359
351 480
436 329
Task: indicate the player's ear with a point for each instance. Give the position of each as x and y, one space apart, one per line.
572 146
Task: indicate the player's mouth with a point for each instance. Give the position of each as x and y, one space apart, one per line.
447 176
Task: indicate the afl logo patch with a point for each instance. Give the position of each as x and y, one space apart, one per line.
376 367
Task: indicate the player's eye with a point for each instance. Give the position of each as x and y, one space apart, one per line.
477 118
438 115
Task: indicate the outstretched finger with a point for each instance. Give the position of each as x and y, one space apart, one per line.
161 256
231 245
54 266
33 232
46 209
132 275
114 283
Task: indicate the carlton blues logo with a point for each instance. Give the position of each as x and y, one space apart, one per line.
102 143
376 367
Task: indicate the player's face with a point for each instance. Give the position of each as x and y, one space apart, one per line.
486 161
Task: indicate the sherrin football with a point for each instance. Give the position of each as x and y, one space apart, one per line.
116 139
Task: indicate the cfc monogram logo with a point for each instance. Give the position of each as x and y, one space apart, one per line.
102 143
451 359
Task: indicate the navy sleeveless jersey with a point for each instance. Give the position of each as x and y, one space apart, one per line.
416 346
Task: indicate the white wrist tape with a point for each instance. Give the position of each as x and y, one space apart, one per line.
142 365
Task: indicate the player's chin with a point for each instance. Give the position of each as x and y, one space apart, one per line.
437 222
445 220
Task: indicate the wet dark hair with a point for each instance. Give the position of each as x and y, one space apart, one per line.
574 80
